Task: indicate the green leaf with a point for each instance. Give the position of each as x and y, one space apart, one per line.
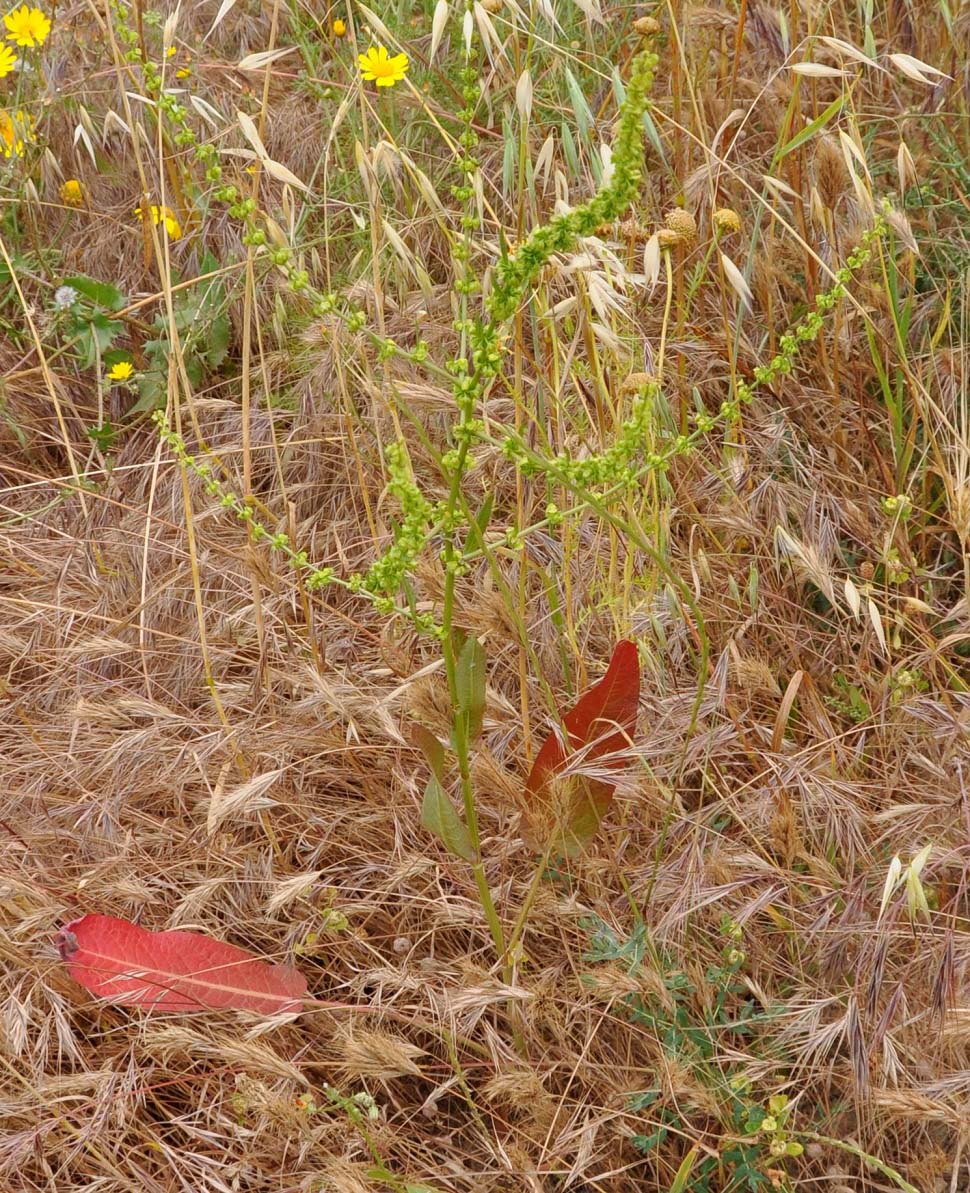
102 294
431 748
438 816
470 683
809 131
217 341
683 1172
581 113
152 392
101 333
483 516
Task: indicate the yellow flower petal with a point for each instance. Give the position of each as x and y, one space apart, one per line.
27 26
376 66
72 193
121 371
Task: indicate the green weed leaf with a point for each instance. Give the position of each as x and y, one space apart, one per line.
438 816
470 682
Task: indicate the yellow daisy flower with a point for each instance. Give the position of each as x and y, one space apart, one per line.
8 60
27 26
16 129
377 67
339 27
72 193
159 214
121 371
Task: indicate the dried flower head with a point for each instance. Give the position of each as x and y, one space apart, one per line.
65 297
647 26
681 222
726 221
636 383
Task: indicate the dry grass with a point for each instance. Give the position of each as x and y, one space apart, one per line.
189 738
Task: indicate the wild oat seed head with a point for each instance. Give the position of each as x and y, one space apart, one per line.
683 223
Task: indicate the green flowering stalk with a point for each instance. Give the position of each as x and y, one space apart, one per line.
383 579
561 233
617 469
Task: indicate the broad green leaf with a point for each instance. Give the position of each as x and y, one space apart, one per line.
101 333
152 392
102 294
217 341
438 816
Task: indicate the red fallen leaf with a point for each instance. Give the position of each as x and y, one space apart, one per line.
598 726
173 971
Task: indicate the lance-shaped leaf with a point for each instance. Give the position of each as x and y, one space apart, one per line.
126 964
564 804
438 815
470 685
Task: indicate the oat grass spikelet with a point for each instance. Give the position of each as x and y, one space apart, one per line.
27 26
376 66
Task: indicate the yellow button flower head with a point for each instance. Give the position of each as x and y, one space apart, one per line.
72 193
339 27
726 221
8 60
378 67
121 371
27 26
159 214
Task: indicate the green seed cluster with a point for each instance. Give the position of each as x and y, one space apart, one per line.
624 463
610 474
561 233
807 329
382 580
